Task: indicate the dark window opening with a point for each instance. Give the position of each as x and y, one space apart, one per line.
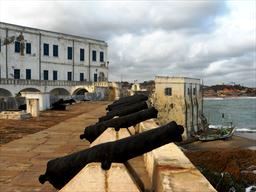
69 76
168 91
101 56
95 77
28 48
46 75
70 53
17 47
188 91
194 91
55 51
81 76
81 54
55 75
16 74
46 49
28 73
94 55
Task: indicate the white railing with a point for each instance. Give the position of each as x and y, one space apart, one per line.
42 82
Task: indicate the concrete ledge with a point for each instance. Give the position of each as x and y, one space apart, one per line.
15 115
170 170
110 135
93 179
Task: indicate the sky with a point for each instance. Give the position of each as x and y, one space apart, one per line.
213 40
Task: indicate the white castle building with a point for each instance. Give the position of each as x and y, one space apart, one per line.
30 56
29 53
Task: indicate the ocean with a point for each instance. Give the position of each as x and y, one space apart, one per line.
241 111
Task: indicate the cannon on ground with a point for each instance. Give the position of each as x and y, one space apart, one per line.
93 131
23 107
61 170
124 111
61 104
68 101
58 106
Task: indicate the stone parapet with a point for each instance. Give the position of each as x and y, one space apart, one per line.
92 178
14 115
170 170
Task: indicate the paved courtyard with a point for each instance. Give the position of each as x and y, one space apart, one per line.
23 160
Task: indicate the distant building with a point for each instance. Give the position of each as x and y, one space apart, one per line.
35 54
135 87
179 99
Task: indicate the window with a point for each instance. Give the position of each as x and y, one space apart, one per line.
95 77
81 76
28 48
16 74
188 91
55 75
168 91
70 53
101 56
28 73
17 47
0 45
46 49
55 51
94 55
46 75
69 76
194 91
81 54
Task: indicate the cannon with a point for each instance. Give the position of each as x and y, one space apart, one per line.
23 107
124 111
126 101
68 101
61 170
93 131
128 98
61 104
58 106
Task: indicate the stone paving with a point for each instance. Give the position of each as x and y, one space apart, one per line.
23 160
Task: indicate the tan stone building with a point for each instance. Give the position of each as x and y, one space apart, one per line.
179 99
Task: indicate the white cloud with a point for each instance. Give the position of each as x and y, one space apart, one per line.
207 39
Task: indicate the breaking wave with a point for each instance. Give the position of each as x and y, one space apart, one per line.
245 130
242 130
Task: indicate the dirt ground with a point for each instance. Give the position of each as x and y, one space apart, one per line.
226 164
15 129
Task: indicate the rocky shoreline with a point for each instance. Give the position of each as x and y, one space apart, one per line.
227 164
228 91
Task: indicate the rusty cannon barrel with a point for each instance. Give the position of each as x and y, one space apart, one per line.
61 170
127 98
124 111
127 101
93 131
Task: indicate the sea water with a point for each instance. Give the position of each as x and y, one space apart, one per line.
241 111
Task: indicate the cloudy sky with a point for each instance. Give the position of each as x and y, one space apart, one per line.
209 39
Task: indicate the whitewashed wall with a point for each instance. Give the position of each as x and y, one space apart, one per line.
2 55
50 63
